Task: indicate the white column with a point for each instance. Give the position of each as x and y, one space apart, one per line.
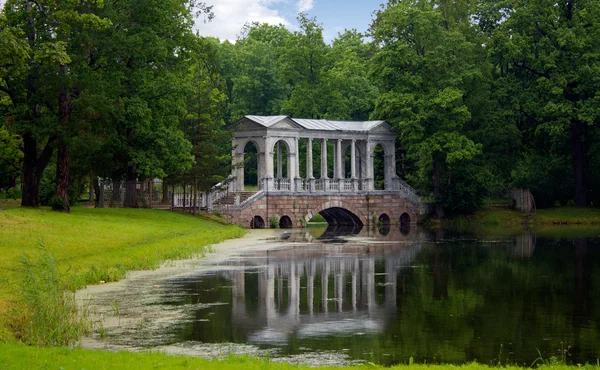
390 165
261 170
338 160
324 159
370 171
309 160
297 159
353 159
279 161
268 163
237 159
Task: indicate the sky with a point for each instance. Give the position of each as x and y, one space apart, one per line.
333 15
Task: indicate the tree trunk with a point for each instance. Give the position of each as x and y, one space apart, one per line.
195 195
165 192
91 189
62 177
97 201
62 161
115 199
33 168
131 199
439 209
578 143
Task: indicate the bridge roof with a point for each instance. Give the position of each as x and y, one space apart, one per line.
320 124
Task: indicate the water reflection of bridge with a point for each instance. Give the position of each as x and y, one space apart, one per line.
320 290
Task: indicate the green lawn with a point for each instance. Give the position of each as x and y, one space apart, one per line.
495 217
23 357
567 216
91 245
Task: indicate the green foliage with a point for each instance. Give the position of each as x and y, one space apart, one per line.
547 54
10 159
47 188
54 318
470 187
424 71
544 177
274 222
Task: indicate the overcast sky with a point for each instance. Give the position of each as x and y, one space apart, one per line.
334 15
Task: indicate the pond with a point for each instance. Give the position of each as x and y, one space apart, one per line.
341 296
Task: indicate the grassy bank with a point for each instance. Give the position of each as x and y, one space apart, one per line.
22 357
503 218
86 247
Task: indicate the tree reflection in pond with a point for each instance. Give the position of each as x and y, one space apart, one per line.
388 296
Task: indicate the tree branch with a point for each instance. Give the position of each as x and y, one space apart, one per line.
531 70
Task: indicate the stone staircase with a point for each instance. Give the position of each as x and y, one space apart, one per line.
230 199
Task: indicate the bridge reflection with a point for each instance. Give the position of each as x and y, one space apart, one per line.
321 289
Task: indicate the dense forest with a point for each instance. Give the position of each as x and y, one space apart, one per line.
485 94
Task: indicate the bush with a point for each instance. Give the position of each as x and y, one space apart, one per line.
469 187
47 190
549 178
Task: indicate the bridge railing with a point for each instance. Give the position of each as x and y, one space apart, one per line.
407 191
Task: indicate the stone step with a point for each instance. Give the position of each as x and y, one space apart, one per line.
229 199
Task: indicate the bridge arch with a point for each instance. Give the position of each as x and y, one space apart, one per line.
336 213
285 222
282 152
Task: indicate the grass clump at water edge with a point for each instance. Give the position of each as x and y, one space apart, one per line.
51 314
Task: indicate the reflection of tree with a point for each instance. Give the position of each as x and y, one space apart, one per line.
460 301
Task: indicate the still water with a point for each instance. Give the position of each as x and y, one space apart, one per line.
388 295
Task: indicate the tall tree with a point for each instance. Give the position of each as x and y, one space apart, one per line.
551 51
41 94
422 70
303 64
258 87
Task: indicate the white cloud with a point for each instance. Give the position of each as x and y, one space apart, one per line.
231 15
305 5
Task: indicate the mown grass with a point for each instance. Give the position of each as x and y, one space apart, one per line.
567 216
500 215
502 221
92 245
23 357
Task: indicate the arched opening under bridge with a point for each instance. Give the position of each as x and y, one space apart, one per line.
285 222
257 222
337 216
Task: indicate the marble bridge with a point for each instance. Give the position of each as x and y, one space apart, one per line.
346 188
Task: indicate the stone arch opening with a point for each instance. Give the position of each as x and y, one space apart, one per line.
281 164
337 216
257 222
251 174
285 222
405 219
384 219
405 223
379 167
